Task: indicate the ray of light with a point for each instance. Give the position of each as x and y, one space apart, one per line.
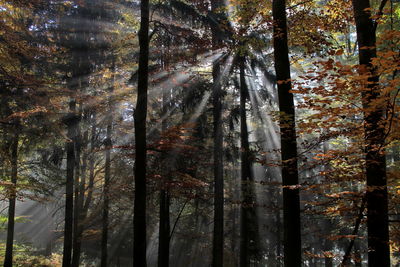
223 74
121 235
184 72
268 132
208 58
200 107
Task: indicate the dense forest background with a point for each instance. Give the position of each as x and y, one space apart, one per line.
199 133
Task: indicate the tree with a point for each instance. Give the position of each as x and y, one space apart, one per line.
71 123
165 196
218 235
19 87
290 182
249 239
76 68
8 260
209 165
139 220
107 177
376 193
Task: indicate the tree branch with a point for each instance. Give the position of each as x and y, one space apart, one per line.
177 219
346 256
380 13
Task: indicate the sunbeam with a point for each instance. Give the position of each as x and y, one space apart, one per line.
199 133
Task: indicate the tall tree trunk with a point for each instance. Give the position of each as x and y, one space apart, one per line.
233 216
85 202
377 196
357 255
218 240
79 211
291 198
106 195
71 121
76 243
164 230
139 220
91 167
8 259
328 261
107 177
79 68
218 234
245 174
164 226
249 225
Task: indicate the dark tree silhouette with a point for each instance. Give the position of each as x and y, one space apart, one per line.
139 219
218 235
290 180
8 257
377 195
249 239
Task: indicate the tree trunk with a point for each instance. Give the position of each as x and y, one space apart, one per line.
249 225
107 177
164 227
71 122
8 259
76 242
357 255
218 233
233 216
291 199
164 230
328 261
218 176
106 195
79 200
91 167
377 196
139 220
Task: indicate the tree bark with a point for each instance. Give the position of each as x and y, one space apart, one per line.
106 201
357 255
347 254
76 242
377 195
79 211
291 198
249 225
164 230
245 174
139 220
8 259
218 242
107 177
164 227
88 199
328 261
71 122
218 232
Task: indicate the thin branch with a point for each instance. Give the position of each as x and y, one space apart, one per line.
380 13
346 256
177 219
299 4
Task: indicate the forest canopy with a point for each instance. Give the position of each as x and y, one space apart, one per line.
199 133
